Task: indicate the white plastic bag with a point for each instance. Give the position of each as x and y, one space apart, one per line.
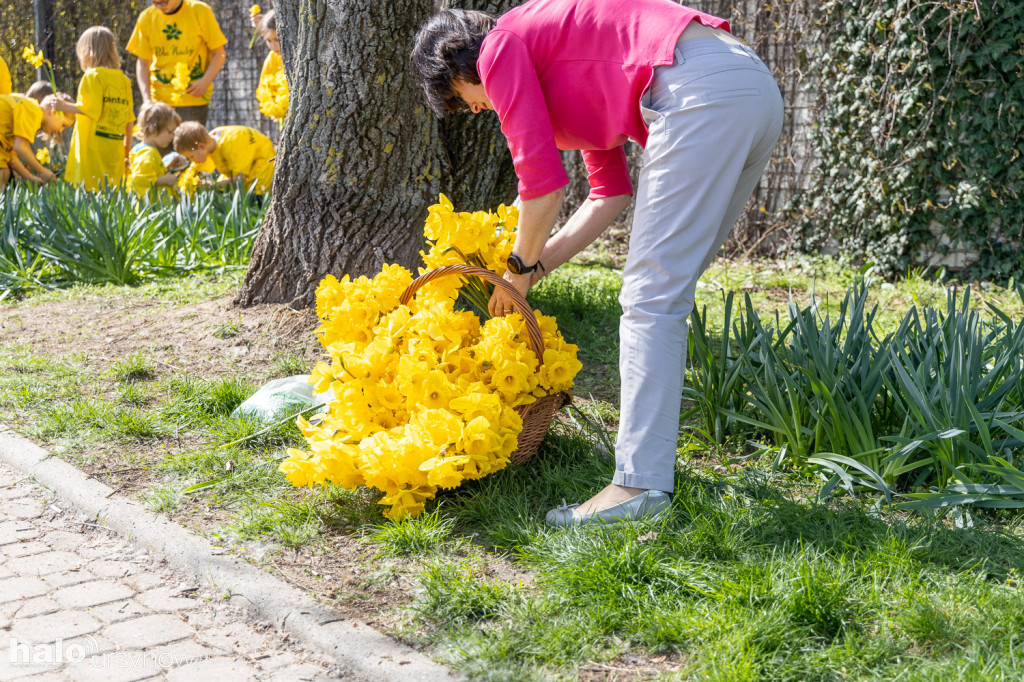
281 397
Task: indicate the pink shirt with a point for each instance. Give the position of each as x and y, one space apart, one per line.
569 74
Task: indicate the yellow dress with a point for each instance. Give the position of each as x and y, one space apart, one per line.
5 78
187 36
96 157
244 151
20 116
146 167
272 91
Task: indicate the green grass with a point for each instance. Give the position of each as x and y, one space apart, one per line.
748 577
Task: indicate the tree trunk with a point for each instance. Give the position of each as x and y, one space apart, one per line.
361 156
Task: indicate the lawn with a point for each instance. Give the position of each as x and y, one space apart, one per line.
751 576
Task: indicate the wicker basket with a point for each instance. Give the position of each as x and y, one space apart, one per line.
536 416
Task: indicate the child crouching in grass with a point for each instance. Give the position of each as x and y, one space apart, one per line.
104 114
21 119
238 153
157 124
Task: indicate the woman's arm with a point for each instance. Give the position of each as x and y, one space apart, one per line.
142 78
589 221
536 220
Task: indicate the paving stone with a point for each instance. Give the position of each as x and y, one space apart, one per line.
16 531
145 581
24 548
92 594
148 631
184 652
63 624
232 637
113 568
22 668
16 589
164 599
302 672
117 611
40 606
63 539
14 492
5 572
45 563
220 668
65 578
116 666
25 508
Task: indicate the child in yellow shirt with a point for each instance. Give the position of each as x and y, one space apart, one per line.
104 112
157 123
21 119
272 91
238 153
5 78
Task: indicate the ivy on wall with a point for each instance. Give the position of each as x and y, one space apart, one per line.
920 130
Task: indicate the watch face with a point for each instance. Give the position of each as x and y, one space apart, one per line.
515 264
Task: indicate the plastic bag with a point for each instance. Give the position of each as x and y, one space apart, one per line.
281 397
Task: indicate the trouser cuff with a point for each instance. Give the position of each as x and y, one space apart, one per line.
663 483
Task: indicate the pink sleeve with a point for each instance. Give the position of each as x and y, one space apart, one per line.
607 172
510 81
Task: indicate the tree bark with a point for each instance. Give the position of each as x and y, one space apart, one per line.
361 156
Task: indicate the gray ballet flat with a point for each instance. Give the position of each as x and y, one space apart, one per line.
645 505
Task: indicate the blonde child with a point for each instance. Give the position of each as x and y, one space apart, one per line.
238 153
21 119
157 123
104 113
272 91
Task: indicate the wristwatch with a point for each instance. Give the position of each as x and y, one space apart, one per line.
516 266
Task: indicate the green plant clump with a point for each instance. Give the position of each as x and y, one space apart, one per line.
59 235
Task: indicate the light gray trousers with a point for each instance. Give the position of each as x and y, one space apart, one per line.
714 116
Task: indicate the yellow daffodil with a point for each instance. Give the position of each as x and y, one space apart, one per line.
254 10
425 395
43 156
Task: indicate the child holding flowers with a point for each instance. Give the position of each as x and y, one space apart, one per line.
21 119
149 175
272 91
103 114
238 153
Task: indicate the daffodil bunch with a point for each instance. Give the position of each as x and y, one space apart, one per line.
425 395
188 180
36 58
180 82
480 238
272 94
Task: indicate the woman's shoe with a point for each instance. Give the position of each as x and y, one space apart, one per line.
646 504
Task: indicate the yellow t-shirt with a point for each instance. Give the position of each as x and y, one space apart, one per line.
5 78
146 166
20 116
186 36
96 156
244 151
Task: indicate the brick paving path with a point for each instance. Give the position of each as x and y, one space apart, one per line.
78 602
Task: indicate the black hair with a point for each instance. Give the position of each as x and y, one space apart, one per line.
446 50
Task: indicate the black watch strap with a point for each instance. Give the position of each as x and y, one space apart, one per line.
516 265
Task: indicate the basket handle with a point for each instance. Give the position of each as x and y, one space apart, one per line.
518 301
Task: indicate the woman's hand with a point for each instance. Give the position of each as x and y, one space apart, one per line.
501 303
